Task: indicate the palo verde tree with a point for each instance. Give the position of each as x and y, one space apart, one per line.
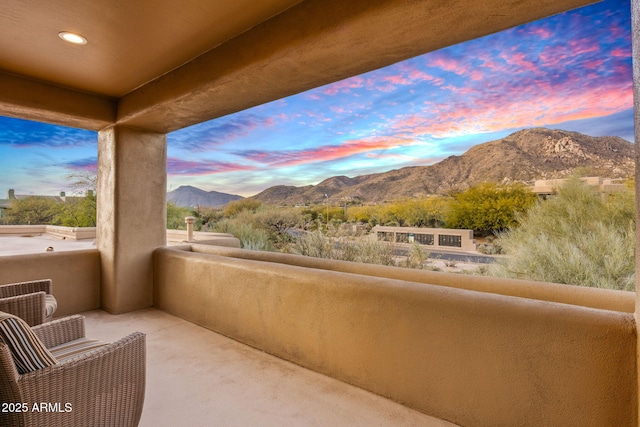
78 211
32 211
577 237
235 207
489 207
176 215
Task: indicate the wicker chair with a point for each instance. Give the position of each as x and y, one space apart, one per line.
104 386
32 301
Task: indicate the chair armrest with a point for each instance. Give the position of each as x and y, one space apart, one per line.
13 289
9 387
60 331
104 386
29 307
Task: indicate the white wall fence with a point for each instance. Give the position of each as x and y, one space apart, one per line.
84 233
73 233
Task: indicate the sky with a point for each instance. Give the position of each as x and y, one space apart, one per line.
571 71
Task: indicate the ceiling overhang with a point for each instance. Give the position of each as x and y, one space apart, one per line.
309 44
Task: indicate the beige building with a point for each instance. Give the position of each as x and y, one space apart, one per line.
433 238
451 349
546 187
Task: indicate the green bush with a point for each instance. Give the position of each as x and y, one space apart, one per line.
489 207
33 211
577 237
337 246
417 258
176 215
250 237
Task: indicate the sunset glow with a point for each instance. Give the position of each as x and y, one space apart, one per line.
572 71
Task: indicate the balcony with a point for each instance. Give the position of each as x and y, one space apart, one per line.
283 338
198 377
473 351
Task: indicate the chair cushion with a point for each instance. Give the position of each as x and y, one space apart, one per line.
29 354
51 304
75 348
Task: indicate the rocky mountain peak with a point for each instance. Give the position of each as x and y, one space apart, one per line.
524 156
563 145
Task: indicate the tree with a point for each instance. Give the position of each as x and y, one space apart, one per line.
206 216
83 182
424 212
577 237
78 212
32 211
489 207
176 215
234 207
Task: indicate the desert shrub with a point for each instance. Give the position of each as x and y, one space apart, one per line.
369 252
314 244
321 245
250 237
235 207
577 237
417 258
494 248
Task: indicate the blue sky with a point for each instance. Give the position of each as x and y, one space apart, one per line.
571 71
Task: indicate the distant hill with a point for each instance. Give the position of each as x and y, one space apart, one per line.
523 156
188 196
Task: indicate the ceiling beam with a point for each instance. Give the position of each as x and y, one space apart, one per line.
33 100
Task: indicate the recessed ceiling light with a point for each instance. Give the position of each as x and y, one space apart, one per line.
72 37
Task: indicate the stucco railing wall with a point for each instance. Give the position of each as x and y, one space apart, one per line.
469 357
218 239
75 276
553 292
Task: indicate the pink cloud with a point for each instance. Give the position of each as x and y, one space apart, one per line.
344 86
87 165
582 46
621 53
209 136
447 64
523 109
543 33
323 153
398 79
476 75
594 64
176 166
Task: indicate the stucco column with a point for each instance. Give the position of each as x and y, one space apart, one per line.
132 182
635 35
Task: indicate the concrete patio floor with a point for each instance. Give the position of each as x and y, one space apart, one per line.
196 377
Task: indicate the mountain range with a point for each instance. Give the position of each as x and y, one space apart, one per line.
524 156
190 197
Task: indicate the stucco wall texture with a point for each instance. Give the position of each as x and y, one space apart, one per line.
468 357
76 286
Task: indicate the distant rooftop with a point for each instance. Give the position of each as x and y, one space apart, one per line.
18 245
